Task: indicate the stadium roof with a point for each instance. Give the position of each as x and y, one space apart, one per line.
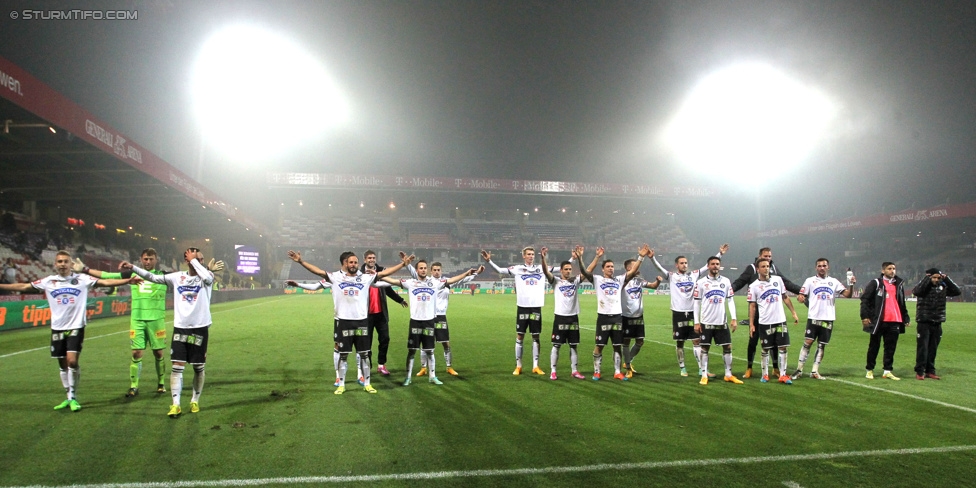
57 154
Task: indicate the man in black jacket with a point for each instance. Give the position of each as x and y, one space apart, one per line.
379 315
930 312
885 316
743 281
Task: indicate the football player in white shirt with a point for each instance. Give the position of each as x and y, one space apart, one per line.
442 334
67 296
682 282
766 317
565 324
633 314
351 310
609 312
818 293
712 294
191 323
422 294
530 291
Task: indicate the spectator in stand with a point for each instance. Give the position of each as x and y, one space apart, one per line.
930 313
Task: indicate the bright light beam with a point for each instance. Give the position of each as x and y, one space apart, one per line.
747 118
257 94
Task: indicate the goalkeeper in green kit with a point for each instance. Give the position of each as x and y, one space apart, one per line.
147 324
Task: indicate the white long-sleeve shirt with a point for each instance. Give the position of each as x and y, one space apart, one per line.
191 294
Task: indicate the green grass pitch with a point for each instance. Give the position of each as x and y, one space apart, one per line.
270 373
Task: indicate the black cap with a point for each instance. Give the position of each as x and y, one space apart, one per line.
932 271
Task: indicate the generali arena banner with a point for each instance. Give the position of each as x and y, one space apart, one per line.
942 212
37 313
35 96
484 185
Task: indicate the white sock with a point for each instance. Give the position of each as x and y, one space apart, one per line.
616 362
727 356
364 367
818 357
73 375
782 362
574 358
804 353
535 352
554 357
518 353
410 356
704 361
597 359
447 356
64 381
431 362
176 382
696 350
335 359
199 374
765 362
343 368
680 352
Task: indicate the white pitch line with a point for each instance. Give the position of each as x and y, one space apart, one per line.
893 392
519 471
791 484
45 348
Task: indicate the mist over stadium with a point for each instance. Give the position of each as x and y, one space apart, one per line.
441 129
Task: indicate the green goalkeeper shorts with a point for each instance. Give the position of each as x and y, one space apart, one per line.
151 331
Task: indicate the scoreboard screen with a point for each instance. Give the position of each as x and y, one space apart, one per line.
248 260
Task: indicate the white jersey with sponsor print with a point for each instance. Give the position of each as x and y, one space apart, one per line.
608 292
820 293
567 295
768 297
681 286
351 294
711 296
422 295
632 304
191 294
530 284
444 294
68 298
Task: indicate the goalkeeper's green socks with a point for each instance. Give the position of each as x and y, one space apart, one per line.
160 371
135 369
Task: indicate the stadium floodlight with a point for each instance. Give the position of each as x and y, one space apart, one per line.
257 94
747 117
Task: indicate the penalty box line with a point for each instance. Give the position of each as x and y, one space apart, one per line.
522 471
46 348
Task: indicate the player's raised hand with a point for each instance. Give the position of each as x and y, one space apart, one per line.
599 251
295 256
77 266
291 283
544 251
724 249
481 269
216 266
125 265
485 255
644 250
402 255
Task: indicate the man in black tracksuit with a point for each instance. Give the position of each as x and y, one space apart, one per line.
885 316
930 313
744 280
379 316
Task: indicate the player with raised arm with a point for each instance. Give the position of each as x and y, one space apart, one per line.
632 304
712 293
565 324
767 320
818 293
682 283
351 309
67 297
609 317
530 291
422 295
191 323
442 334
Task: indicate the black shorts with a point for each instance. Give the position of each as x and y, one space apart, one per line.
190 345
609 328
441 332
565 329
529 319
634 327
353 333
683 326
773 335
819 330
720 334
421 335
65 341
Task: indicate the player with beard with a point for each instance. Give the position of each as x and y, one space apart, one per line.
632 304
565 324
818 294
712 293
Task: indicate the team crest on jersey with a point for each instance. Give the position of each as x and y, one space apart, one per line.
74 281
721 285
